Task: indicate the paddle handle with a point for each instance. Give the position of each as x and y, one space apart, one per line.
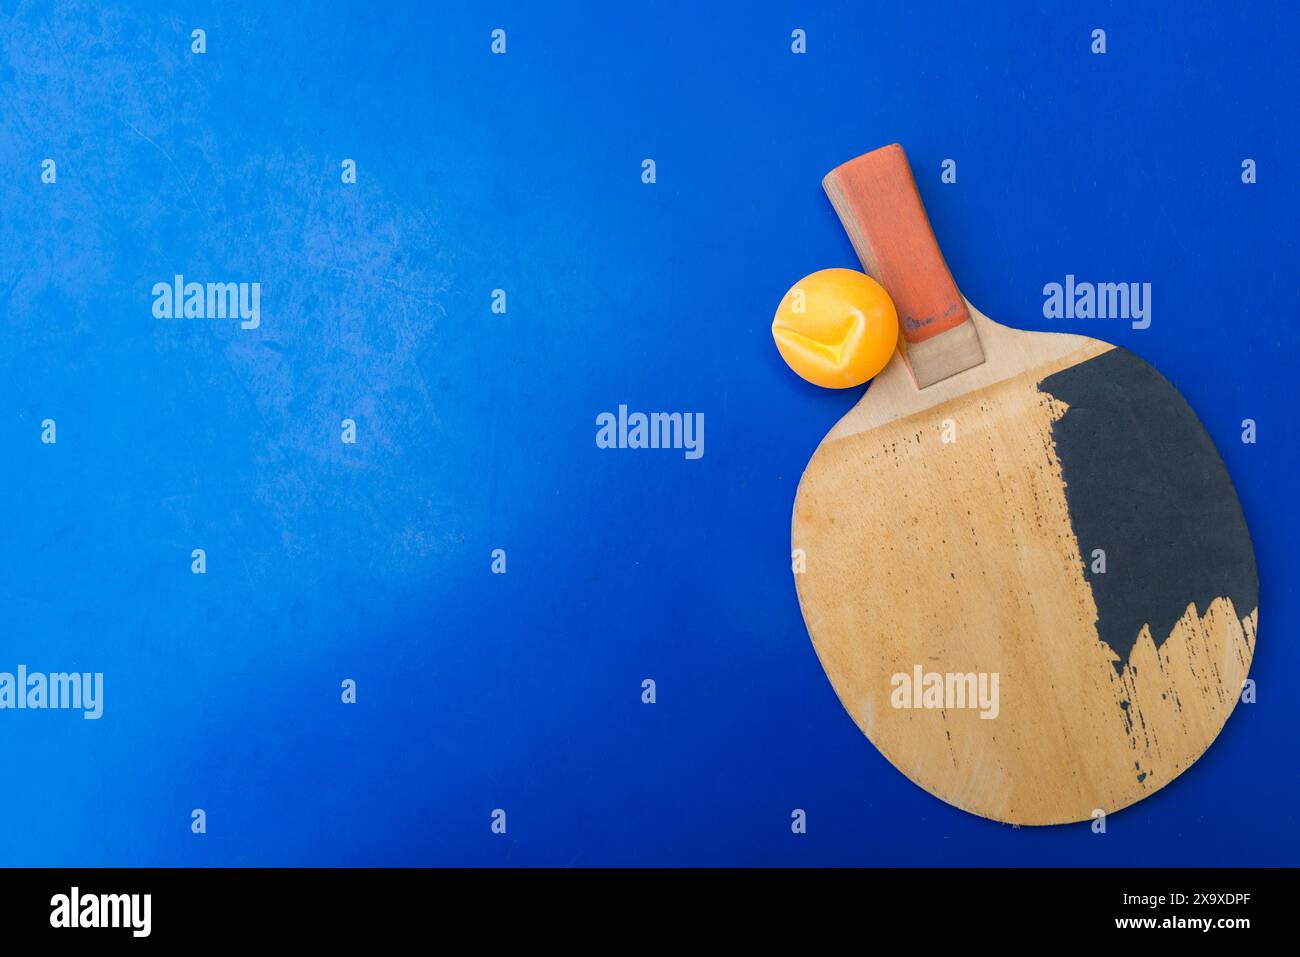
876 199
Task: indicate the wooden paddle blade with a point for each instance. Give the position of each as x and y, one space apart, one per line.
1031 586
876 199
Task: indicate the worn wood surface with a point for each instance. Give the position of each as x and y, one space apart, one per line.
964 557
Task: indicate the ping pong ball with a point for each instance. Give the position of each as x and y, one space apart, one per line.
836 328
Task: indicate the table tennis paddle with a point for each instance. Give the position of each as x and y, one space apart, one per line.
1041 507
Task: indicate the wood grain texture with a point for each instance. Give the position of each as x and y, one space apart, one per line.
964 557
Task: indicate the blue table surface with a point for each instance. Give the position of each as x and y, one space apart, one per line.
522 172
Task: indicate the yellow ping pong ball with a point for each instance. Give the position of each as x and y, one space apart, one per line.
836 328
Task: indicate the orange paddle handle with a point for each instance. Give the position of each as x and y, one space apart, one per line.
876 199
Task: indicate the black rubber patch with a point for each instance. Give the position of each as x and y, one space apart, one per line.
1145 484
